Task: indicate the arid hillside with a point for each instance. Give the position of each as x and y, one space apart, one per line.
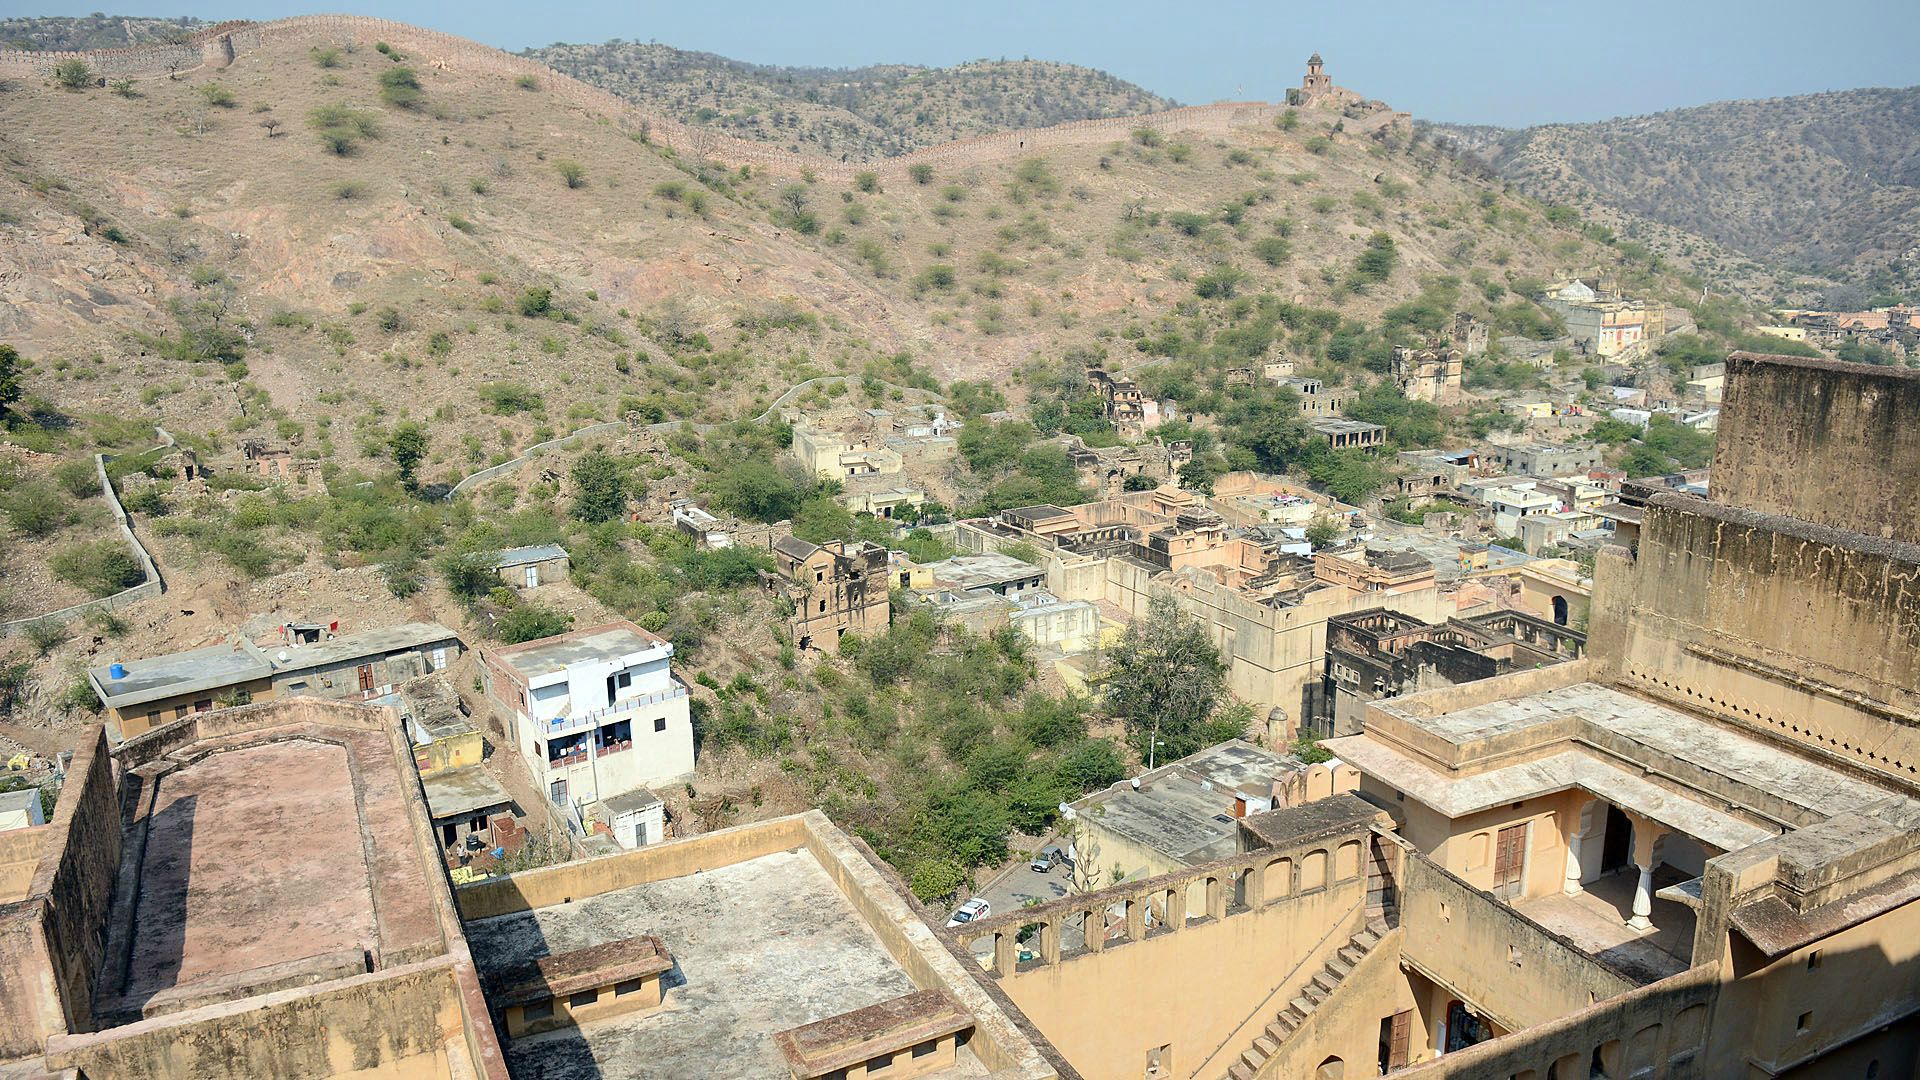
91 31
856 113
1823 181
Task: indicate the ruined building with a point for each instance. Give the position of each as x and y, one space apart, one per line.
835 588
1431 374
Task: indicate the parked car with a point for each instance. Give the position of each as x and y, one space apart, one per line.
1049 857
975 908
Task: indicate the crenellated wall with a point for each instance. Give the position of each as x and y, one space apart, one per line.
219 45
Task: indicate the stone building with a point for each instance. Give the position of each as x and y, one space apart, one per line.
1546 459
1127 407
1349 434
1372 655
1469 334
836 588
1431 374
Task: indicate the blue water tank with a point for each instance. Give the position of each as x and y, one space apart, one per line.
118 671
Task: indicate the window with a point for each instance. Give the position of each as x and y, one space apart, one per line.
925 1049
153 717
623 680
541 1011
179 711
1813 960
631 986
659 723
583 999
1801 1025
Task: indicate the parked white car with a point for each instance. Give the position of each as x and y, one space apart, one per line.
975 908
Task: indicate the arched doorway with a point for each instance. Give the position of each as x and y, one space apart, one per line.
1331 1069
1560 610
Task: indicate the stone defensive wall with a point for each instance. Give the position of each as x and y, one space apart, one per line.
217 46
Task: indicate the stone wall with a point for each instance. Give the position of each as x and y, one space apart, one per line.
150 585
217 46
1824 441
52 942
1801 632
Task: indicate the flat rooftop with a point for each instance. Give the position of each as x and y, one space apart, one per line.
463 792
759 946
273 856
965 572
354 646
551 655
1722 763
1184 809
181 673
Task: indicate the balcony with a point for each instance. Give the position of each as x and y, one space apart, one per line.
566 725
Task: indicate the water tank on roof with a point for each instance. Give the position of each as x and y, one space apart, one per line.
117 671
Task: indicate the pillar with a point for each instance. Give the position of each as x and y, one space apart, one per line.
1646 833
1572 887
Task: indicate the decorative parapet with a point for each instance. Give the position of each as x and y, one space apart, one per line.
911 1035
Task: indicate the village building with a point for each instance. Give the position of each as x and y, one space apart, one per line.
1349 434
1431 374
1469 334
836 588
595 713
1127 407
532 567
302 659
1603 322
1317 399
1540 459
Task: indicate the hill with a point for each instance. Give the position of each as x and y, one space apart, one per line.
397 259
850 113
86 32
1822 182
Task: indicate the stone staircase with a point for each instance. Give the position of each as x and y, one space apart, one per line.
1311 996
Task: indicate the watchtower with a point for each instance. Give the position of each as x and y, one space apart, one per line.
1316 81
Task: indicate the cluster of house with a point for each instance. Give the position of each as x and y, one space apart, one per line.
1601 321
1891 327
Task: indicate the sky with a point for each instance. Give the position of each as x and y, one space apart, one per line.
1509 63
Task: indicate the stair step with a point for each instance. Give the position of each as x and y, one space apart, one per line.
1340 966
1379 927
1293 1017
1302 1006
1252 1058
1366 939
1266 1044
1327 981
1240 1071
1314 994
1280 1029
1351 955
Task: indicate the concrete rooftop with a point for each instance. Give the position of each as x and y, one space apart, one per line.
181 673
557 654
759 946
1185 809
965 572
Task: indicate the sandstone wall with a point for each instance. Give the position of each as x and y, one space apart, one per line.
1800 632
1829 442
218 45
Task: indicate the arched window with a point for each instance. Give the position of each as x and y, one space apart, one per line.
1560 610
1331 1069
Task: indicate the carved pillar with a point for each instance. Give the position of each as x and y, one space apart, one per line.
1643 901
1646 833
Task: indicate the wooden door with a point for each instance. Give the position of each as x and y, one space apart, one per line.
366 676
1510 861
1399 1036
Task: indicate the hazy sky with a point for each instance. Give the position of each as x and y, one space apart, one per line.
1508 62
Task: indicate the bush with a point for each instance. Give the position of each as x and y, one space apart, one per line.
530 622
73 74
218 96
921 173
38 510
527 82
400 88
535 302
1272 250
505 398
867 182
102 568
341 129
572 173
328 57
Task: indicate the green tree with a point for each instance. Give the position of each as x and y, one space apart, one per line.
755 489
470 575
1376 263
1197 476
1165 681
531 622
821 519
921 172
1322 531
341 129
73 74
408 445
10 381
599 488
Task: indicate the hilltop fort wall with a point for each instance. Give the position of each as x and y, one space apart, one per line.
219 45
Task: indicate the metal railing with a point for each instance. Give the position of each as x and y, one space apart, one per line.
561 725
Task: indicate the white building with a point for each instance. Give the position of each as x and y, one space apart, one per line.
596 713
1508 505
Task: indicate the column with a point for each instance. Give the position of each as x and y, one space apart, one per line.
1646 833
1572 887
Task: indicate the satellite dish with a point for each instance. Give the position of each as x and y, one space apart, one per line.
285 656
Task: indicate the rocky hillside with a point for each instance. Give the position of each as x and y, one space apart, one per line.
60 33
856 113
1823 181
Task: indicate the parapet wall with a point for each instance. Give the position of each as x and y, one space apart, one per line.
219 45
1824 441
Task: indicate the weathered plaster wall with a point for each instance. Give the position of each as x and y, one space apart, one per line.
19 858
1824 441
401 1024
1804 632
